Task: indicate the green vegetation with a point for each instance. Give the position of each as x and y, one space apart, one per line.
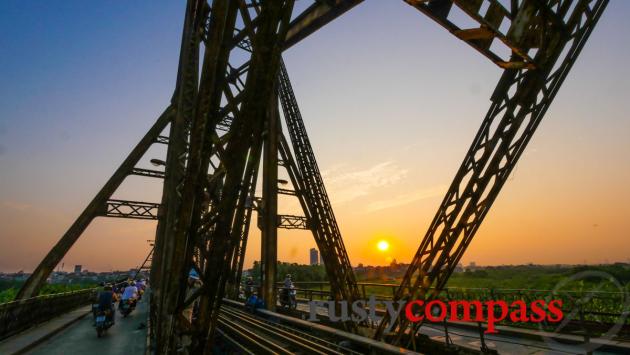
303 273
527 282
7 295
572 284
526 277
530 277
8 289
539 277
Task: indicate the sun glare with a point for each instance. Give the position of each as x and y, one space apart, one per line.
382 245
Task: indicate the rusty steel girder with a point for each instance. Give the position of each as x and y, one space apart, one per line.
508 36
519 103
224 114
204 157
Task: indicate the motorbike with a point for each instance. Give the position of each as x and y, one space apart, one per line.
103 322
127 306
288 298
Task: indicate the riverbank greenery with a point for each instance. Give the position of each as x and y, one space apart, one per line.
8 289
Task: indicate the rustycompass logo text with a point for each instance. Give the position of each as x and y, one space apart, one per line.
489 312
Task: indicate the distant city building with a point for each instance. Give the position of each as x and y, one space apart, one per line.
314 256
459 267
77 269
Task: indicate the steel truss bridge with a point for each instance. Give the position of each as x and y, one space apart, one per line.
223 124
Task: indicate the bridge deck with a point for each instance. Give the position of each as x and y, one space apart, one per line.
124 337
128 337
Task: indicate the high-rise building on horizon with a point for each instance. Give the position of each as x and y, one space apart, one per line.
77 269
314 253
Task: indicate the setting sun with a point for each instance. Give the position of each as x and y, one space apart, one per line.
382 245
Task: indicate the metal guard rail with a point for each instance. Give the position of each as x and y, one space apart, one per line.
17 316
599 315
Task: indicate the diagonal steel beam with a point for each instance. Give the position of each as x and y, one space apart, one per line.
519 103
46 266
315 17
323 222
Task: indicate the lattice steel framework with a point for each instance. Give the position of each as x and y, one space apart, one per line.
217 123
224 117
556 32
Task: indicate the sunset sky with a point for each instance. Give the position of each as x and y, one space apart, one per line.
391 102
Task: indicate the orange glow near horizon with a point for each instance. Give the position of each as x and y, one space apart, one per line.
389 140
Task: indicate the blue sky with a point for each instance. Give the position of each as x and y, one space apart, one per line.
391 101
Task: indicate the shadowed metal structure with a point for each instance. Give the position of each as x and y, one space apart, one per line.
224 117
546 38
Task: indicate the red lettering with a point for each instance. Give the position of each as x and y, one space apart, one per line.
520 314
428 311
538 311
409 312
466 311
555 308
518 311
491 314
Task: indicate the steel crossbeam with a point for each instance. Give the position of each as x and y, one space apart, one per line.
224 114
519 103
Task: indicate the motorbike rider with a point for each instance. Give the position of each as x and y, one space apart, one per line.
119 287
140 285
288 283
106 300
288 286
249 287
130 293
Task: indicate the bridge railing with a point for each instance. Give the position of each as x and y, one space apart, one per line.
595 312
17 316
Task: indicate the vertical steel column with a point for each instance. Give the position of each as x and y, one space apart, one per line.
185 195
245 131
176 158
269 225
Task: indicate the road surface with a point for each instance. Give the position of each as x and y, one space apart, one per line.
127 336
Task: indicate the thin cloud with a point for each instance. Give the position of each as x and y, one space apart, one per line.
410 147
347 185
401 200
17 206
